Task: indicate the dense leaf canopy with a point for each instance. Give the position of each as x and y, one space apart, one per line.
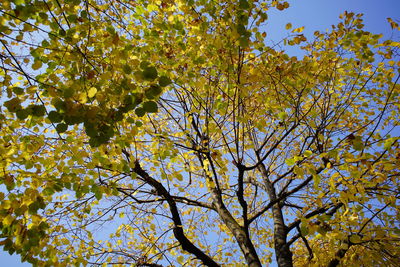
164 133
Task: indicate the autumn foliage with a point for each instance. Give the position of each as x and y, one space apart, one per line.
171 133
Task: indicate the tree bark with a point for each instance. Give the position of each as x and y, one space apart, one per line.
238 232
284 256
179 234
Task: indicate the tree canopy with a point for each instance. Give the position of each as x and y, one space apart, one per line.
169 133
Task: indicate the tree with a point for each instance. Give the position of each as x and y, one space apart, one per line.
168 133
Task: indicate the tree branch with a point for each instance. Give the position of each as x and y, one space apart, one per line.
179 234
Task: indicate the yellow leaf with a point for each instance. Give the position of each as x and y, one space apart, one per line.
307 153
179 176
92 92
288 26
355 239
298 30
37 65
8 220
82 98
298 171
180 259
393 24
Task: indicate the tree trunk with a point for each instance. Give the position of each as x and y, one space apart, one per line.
282 250
238 232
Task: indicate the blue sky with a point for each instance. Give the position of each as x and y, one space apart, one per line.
314 15
321 14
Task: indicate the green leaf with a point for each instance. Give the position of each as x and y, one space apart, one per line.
106 130
71 120
62 127
62 32
138 75
59 105
94 142
244 42
150 73
54 116
38 110
13 105
90 129
241 29
97 191
164 81
140 112
144 64
22 114
18 90
153 91
33 207
68 92
127 69
110 29
150 106
118 116
244 4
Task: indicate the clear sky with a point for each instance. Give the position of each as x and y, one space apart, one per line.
321 14
314 15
